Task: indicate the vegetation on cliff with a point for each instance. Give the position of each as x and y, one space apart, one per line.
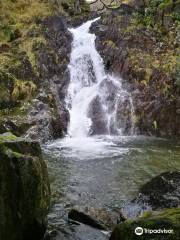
29 58
140 41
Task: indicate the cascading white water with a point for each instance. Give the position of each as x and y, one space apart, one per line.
94 99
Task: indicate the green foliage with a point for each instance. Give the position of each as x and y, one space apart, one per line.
154 12
6 31
109 43
164 4
177 72
71 7
7 137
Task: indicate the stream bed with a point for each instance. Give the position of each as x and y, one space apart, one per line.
104 172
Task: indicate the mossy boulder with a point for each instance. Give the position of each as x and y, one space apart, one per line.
24 189
168 219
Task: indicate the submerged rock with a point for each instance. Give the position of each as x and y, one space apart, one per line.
24 189
168 220
99 218
86 219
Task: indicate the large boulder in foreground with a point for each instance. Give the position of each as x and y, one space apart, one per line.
24 189
168 220
163 191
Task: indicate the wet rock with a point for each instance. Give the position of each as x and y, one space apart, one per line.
17 126
96 114
24 189
78 232
162 191
105 217
168 219
127 52
56 23
86 219
124 116
49 120
80 19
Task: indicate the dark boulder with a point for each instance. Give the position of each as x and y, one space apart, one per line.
162 191
56 23
106 218
96 114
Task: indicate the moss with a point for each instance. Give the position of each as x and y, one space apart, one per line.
165 4
168 219
23 210
20 14
30 46
23 90
7 137
177 71
109 43
6 85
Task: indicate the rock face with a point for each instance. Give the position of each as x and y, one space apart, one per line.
34 83
162 191
134 46
48 112
24 189
169 220
34 54
96 113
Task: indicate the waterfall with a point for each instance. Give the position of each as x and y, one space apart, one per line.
97 103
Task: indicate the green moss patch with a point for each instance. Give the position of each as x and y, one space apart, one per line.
168 219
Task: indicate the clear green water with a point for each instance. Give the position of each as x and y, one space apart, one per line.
107 171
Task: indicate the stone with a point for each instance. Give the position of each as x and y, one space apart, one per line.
108 218
163 191
24 189
82 217
96 114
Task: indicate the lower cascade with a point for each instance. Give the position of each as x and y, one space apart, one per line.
97 102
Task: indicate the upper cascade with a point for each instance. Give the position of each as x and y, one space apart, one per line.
96 101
